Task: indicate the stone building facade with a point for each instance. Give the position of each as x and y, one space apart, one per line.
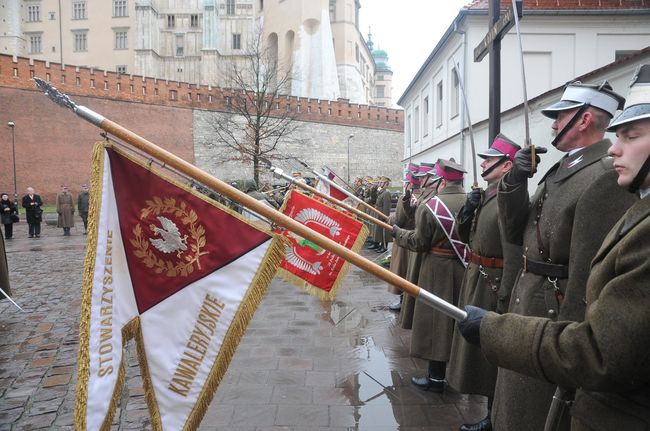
53 146
197 41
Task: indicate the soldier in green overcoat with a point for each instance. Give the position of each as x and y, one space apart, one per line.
575 205
489 276
605 357
428 188
399 255
440 273
383 206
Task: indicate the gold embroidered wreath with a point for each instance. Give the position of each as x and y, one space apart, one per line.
189 218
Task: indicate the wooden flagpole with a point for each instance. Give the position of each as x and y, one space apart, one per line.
251 203
279 172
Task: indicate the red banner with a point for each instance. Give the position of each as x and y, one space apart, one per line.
307 265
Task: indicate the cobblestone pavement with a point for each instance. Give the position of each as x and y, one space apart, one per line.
304 364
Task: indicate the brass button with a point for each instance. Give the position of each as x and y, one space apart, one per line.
517 301
551 313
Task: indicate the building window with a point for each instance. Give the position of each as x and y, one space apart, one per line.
121 70
79 9
439 104
455 93
236 41
230 7
34 13
121 40
52 16
332 10
35 43
380 77
171 21
416 124
194 21
80 41
425 116
356 52
408 129
380 91
180 45
120 8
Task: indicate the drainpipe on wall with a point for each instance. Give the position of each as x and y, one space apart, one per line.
462 110
60 35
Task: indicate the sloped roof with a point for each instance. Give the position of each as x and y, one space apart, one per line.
566 4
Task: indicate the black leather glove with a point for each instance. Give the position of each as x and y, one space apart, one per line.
473 200
407 194
395 229
522 167
470 327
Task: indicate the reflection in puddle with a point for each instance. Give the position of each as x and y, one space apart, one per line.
373 387
380 395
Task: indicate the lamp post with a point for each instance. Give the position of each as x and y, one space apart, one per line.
348 172
12 126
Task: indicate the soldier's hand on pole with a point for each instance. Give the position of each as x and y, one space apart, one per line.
395 230
523 167
470 327
407 193
473 199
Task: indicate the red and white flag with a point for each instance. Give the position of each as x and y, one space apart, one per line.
177 272
307 265
332 189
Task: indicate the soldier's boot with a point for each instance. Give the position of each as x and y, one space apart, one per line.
397 305
373 246
483 425
435 380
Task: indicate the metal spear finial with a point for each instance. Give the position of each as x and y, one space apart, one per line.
63 100
54 94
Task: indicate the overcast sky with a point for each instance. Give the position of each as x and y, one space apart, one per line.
408 31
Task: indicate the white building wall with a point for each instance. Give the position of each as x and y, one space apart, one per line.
512 125
556 50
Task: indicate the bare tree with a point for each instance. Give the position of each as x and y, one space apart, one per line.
254 126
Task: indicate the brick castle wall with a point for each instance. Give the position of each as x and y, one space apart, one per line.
16 72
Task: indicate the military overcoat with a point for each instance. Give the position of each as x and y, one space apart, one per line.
414 261
399 255
485 287
383 205
65 209
575 205
607 356
439 274
4 269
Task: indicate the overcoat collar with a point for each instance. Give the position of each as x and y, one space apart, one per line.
449 190
635 215
568 166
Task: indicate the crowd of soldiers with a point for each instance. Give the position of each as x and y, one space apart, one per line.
555 285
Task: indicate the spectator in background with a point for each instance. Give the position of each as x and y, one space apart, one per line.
82 205
33 212
8 214
65 209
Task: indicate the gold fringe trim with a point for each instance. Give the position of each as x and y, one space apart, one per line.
310 288
83 357
135 331
272 258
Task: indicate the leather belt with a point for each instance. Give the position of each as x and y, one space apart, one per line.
487 262
442 251
545 269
